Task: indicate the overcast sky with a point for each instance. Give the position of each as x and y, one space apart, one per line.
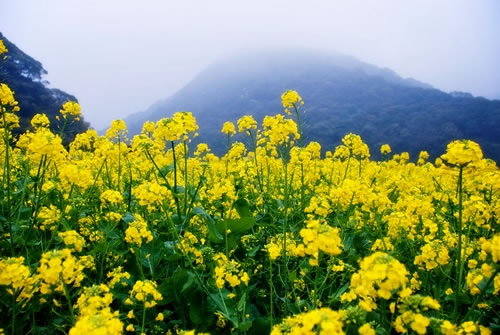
120 56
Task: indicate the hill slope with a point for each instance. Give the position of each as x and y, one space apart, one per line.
341 95
23 74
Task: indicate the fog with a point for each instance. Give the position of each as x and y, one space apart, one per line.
119 56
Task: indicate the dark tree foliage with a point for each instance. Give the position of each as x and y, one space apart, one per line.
24 75
341 95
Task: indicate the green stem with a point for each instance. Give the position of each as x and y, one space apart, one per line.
70 304
459 264
254 144
143 318
175 181
271 291
347 168
7 173
139 265
185 177
64 127
13 321
119 161
478 298
285 229
299 125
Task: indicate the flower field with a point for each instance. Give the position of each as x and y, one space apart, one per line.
149 235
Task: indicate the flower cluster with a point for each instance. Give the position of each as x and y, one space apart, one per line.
385 149
229 271
412 316
279 131
40 120
277 243
462 152
17 277
432 255
95 315
111 197
3 48
137 232
72 239
59 268
146 292
353 145
379 276
176 128
117 130
151 195
319 236
228 129
318 321
291 99
246 123
71 109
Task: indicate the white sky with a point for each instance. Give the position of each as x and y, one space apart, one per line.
120 56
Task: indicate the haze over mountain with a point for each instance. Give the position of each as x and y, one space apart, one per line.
341 94
24 75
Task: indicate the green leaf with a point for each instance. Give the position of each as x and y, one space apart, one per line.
172 287
236 226
242 207
166 169
260 326
245 326
189 282
128 217
195 312
213 234
242 303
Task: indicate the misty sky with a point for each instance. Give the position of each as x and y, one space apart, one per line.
120 56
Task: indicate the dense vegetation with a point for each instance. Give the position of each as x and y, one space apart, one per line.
24 75
148 236
343 95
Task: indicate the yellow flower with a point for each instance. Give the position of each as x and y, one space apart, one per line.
176 128
420 323
228 128
279 131
380 276
366 329
59 267
138 232
462 152
16 275
228 271
3 48
385 149
72 238
146 292
117 130
324 319
111 197
40 120
291 99
103 322
246 123
71 108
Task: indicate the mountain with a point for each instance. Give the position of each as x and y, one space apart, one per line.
341 95
24 75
